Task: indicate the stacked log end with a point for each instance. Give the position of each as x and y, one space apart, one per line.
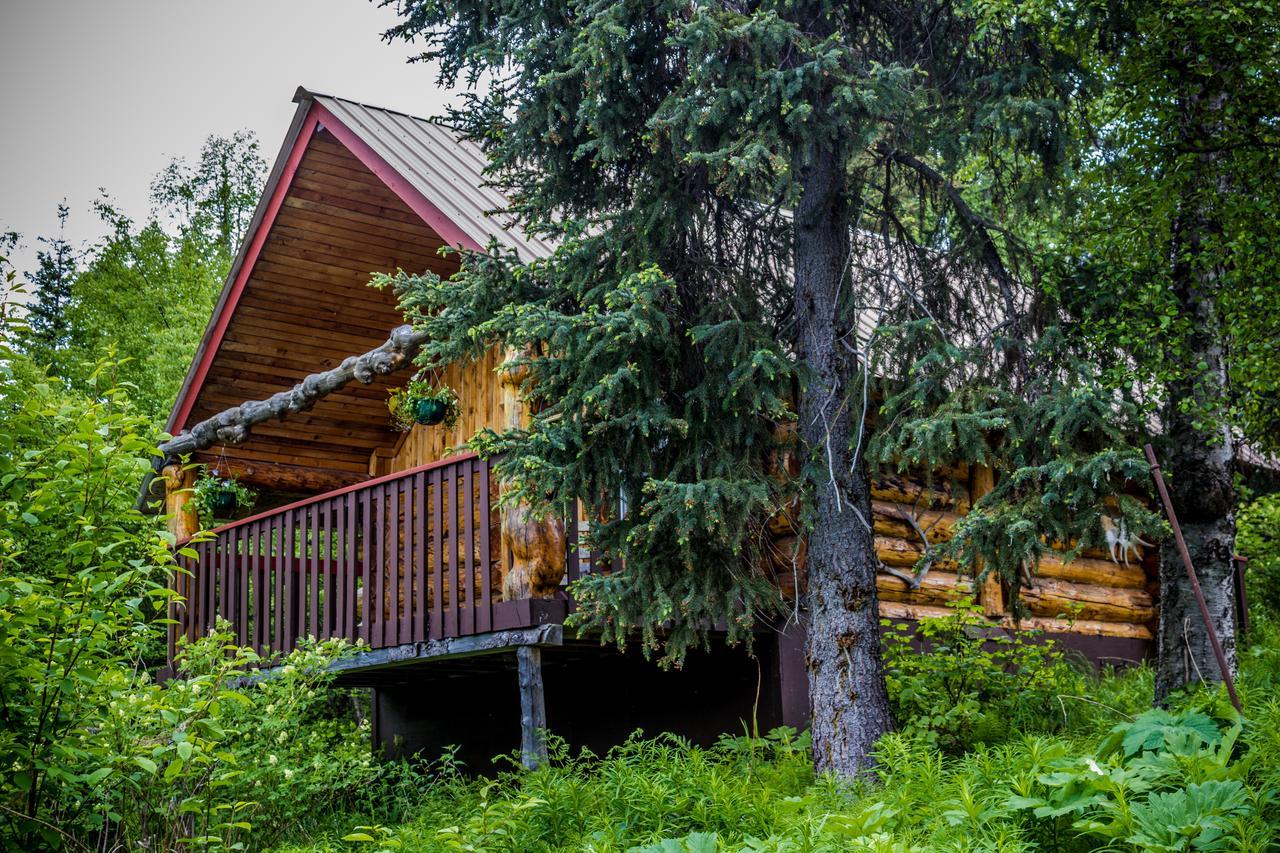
1088 595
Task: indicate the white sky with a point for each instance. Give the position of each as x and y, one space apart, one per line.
102 93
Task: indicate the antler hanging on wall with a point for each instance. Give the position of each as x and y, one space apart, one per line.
233 425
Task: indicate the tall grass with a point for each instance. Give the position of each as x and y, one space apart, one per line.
662 794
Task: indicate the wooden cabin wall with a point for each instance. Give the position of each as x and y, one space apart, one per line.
481 405
1090 595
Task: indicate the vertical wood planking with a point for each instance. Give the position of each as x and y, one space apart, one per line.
377 631
259 584
484 515
366 514
277 567
467 542
451 534
330 609
420 557
420 546
289 568
405 570
243 578
347 597
437 562
391 613
313 544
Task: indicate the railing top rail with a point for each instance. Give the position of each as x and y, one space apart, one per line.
363 484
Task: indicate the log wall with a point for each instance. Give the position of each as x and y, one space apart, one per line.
1090 595
481 405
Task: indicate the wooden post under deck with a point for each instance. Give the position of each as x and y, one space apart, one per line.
533 707
990 594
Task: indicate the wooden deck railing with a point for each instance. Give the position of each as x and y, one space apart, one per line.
399 559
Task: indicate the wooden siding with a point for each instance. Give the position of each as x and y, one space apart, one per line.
480 401
305 308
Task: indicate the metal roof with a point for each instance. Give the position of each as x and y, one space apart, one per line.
447 170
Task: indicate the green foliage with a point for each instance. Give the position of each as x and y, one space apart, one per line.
1258 538
47 325
1177 185
1163 781
82 574
1061 441
1115 775
212 489
213 201
141 295
403 403
955 682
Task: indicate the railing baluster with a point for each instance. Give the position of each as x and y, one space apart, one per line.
366 586
404 558
311 551
330 608
452 622
347 593
485 520
437 562
418 508
242 587
468 542
391 634
405 570
379 569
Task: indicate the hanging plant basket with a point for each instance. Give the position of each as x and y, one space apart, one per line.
420 402
220 498
430 411
223 502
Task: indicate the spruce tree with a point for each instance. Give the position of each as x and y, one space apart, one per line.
48 329
746 199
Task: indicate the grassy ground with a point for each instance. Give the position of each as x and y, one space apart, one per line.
1201 779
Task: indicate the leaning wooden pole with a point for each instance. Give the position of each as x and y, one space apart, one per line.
1191 576
233 425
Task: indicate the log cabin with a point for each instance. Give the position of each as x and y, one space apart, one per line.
397 541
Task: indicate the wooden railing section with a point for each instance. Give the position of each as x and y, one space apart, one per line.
404 558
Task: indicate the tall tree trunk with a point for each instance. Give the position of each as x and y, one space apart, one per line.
1200 458
849 703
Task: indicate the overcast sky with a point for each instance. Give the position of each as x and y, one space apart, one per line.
102 93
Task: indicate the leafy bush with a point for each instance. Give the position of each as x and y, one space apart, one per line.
93 752
1258 538
1162 781
957 683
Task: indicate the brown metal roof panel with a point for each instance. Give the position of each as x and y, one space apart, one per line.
447 170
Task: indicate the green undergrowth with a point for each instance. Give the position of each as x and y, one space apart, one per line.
1089 767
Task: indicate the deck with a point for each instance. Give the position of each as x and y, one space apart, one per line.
411 558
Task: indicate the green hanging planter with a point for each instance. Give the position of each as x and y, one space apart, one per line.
223 503
430 411
420 402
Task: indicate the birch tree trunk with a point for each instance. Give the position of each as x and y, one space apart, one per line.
1201 449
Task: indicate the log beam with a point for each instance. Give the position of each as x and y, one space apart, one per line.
233 425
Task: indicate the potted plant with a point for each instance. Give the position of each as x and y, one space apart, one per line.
216 496
422 402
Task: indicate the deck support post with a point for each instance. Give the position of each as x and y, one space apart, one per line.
533 707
